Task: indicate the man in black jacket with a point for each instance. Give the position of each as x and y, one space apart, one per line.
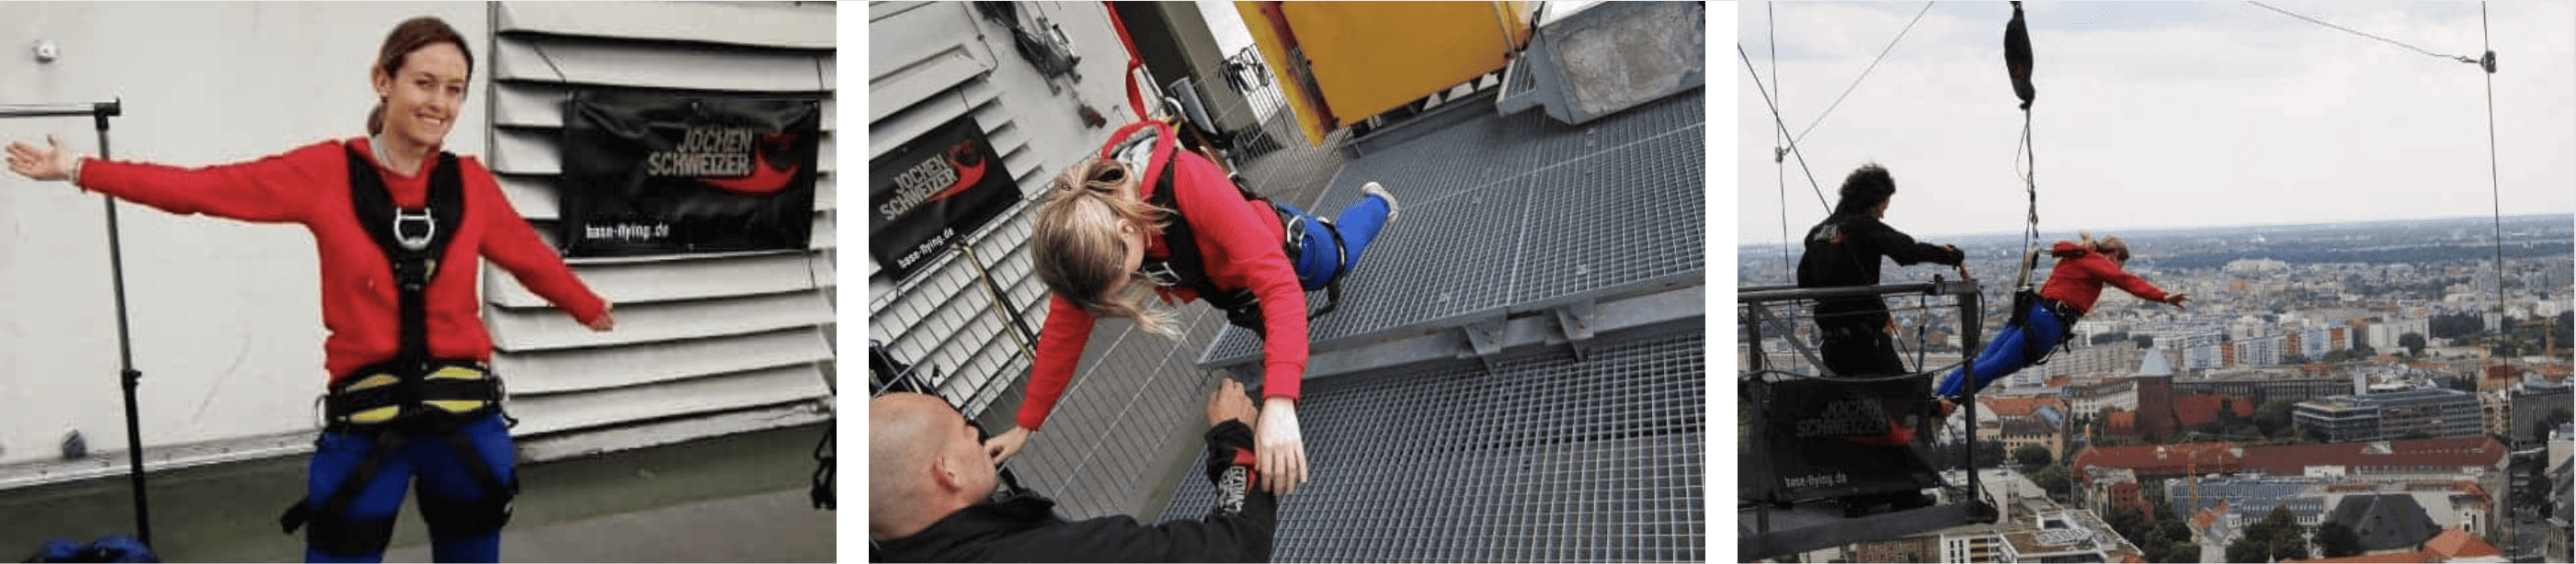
1857 340
930 486
1843 251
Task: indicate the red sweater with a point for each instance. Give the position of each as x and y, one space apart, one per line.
310 186
2079 275
1240 242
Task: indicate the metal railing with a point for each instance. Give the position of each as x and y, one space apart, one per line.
1768 311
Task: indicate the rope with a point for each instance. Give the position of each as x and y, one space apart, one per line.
1780 169
1864 74
2481 18
2495 183
1784 128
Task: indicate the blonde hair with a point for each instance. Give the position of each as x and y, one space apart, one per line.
2109 246
1076 246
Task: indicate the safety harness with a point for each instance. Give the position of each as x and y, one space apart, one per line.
1187 266
2025 294
413 393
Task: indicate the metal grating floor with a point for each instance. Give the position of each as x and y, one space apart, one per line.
1501 212
1543 459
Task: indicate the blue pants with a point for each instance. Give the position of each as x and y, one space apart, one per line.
443 479
2009 352
1319 259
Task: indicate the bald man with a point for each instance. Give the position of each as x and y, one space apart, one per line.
930 486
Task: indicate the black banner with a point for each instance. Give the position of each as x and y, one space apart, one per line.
647 173
931 191
1825 439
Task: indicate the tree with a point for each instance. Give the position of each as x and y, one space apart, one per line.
2053 479
2337 540
2145 341
2248 549
2180 551
1989 454
2273 418
2414 343
2276 537
2031 456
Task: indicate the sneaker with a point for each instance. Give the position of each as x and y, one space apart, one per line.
1392 208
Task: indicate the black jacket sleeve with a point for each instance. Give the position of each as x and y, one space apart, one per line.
1239 529
1897 245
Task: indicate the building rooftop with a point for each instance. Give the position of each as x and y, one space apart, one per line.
2290 460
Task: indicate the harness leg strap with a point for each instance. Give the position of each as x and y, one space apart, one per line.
331 530
489 513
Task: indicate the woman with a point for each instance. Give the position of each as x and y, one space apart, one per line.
410 392
1145 219
2073 286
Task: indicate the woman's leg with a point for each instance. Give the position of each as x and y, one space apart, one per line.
2002 356
463 515
361 532
2010 351
1360 223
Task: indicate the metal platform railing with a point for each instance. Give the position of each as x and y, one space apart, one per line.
1771 521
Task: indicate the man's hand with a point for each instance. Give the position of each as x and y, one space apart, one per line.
1229 403
1282 452
2177 299
1002 446
49 162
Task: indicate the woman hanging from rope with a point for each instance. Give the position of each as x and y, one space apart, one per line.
410 391
1147 219
2073 286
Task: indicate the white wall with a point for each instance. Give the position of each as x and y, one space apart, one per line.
226 316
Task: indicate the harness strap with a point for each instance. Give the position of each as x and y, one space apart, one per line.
409 392
1187 265
412 240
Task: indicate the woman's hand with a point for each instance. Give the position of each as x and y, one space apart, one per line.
1282 452
1001 447
49 162
2177 299
606 322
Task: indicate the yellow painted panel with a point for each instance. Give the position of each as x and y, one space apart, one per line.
1274 52
1370 57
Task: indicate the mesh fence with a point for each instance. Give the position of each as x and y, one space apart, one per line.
1545 458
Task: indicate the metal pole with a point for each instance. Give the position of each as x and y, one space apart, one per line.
131 378
128 377
1023 335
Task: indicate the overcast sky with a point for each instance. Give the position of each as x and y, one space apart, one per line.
2159 114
